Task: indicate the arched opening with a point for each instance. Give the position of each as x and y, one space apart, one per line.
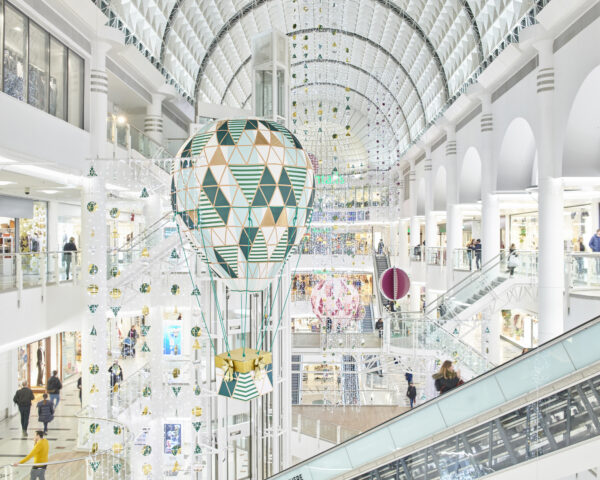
439 189
518 154
470 177
581 153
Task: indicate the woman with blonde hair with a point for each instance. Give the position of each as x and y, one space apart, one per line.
447 378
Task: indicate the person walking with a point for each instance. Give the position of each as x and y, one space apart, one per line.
54 387
512 261
45 412
579 247
477 250
116 374
79 388
447 378
595 247
411 393
68 248
23 399
470 250
379 327
39 453
380 247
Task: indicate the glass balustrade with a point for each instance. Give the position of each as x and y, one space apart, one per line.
436 256
583 271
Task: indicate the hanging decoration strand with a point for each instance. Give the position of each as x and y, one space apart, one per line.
246 292
187 264
265 320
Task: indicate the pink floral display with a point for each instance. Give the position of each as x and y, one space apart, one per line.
335 299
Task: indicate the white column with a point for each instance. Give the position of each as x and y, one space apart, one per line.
490 209
153 123
94 246
431 228
550 201
453 215
415 228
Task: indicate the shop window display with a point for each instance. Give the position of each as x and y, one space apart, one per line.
71 354
326 241
39 45
302 285
15 42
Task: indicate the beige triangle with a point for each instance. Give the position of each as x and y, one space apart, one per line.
275 141
218 158
260 139
268 220
282 221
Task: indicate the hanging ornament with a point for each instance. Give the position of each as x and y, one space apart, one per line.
196 292
146 469
197 411
115 293
94 369
145 347
455 332
146 450
146 411
94 428
94 465
175 449
92 308
93 269
145 330
117 467
176 372
175 290
145 310
117 430
92 172
114 212
196 345
197 390
115 310
145 288
147 391
117 448
196 331
197 450
114 272
93 331
196 425
92 289
94 389
487 329
176 390
92 207
144 193
145 253
174 254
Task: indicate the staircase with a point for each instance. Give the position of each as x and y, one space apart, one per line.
381 263
296 379
367 321
350 386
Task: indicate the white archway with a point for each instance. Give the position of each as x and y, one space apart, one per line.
581 152
517 158
470 177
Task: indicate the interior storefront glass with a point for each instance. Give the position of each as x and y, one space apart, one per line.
33 232
303 283
15 42
71 354
39 45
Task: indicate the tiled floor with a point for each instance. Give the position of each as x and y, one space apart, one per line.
62 431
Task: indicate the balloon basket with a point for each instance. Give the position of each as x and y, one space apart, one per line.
244 377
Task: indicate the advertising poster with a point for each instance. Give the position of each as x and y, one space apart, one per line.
172 340
172 437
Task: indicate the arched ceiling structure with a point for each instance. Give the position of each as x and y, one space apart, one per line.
407 58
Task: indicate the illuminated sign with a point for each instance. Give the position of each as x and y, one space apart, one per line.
332 179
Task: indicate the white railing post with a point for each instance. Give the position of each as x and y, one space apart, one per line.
19 278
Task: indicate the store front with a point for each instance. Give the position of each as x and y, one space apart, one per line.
70 354
37 360
69 225
520 327
33 232
332 241
303 283
577 223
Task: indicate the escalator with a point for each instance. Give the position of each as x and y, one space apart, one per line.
526 410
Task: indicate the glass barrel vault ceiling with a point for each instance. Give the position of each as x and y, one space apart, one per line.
395 64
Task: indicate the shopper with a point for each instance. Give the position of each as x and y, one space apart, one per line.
380 247
116 374
379 327
512 261
39 453
477 250
470 250
79 388
411 393
447 378
579 247
595 246
45 412
53 388
23 399
68 248
328 324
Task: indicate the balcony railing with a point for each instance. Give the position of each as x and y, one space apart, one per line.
36 269
436 256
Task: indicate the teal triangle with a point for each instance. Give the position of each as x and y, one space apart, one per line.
267 178
209 178
223 213
211 193
268 191
259 199
284 178
276 211
221 200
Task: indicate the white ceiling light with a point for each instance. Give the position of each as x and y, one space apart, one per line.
5 182
49 192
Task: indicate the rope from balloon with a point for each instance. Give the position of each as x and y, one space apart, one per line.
214 290
267 319
246 292
194 287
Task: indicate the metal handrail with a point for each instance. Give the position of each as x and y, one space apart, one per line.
147 232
